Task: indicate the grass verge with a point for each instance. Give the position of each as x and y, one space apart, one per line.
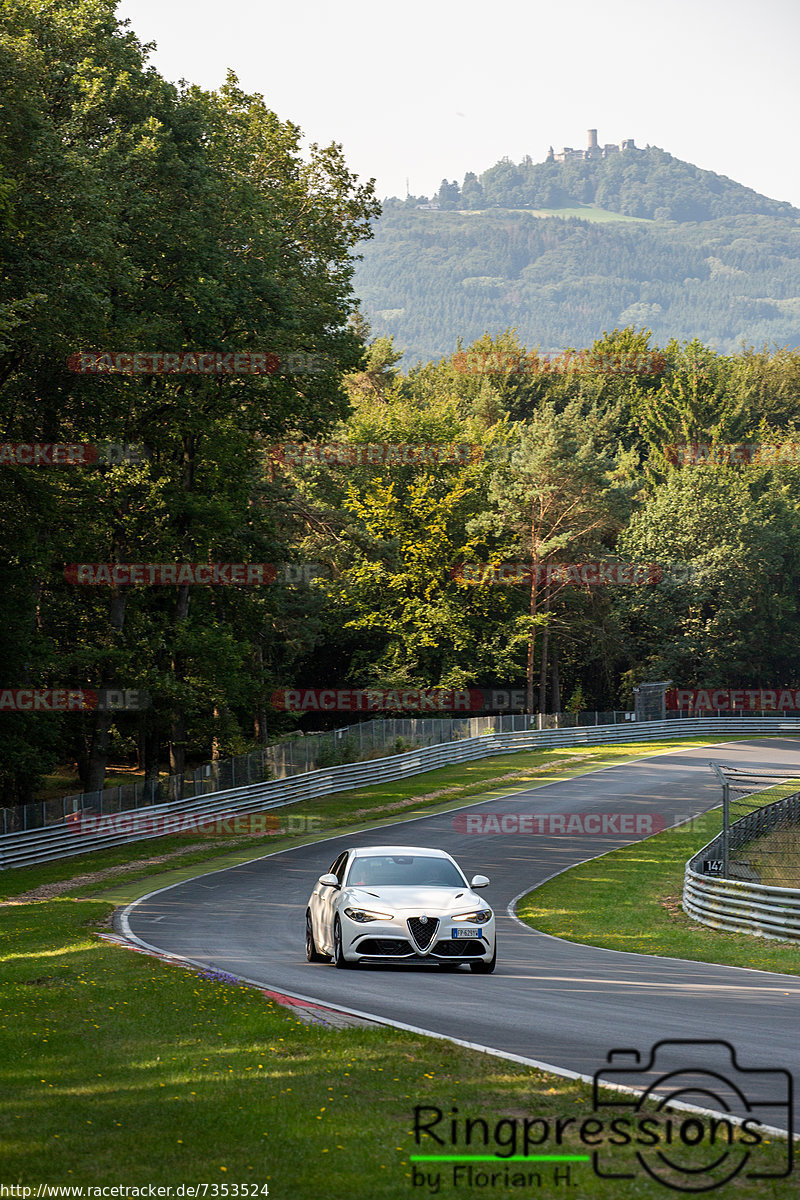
630 899
118 1069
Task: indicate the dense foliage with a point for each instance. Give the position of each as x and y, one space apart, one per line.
139 216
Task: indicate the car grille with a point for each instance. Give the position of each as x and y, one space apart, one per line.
384 947
423 933
452 948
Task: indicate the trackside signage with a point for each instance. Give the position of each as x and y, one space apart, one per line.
752 699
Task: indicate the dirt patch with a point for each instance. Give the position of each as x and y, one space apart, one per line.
673 905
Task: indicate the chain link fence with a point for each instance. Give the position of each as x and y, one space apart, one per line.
760 838
295 755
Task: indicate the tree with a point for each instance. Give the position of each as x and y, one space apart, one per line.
556 497
727 611
141 216
449 194
472 192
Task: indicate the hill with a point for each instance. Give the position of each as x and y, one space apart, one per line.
646 183
640 238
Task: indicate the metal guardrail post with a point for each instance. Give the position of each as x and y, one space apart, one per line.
726 815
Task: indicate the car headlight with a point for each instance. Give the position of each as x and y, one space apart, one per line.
479 918
362 915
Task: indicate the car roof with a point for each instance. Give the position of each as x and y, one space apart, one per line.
428 851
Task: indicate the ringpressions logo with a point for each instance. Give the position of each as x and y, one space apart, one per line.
686 1115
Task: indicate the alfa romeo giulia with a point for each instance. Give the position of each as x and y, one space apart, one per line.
400 904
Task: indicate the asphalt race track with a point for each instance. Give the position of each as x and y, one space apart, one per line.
551 1001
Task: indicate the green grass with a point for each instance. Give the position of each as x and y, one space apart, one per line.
116 1068
630 900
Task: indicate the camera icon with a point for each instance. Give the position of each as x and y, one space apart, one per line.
711 1121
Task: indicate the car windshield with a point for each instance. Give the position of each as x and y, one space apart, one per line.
404 870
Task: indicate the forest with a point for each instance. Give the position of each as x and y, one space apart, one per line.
428 278
218 483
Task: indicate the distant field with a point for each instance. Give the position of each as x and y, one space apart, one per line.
584 213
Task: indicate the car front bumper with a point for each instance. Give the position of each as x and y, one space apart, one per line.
393 941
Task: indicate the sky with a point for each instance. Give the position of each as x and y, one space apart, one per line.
428 89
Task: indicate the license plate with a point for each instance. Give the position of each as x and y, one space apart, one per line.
466 933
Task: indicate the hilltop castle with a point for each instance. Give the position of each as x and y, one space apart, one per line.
593 150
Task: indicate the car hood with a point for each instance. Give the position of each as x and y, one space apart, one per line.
428 900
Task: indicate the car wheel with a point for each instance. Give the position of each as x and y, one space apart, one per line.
484 966
312 953
339 959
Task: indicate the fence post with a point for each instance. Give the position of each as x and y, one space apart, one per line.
715 767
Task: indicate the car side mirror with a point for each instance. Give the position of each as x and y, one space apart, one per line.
331 880
479 881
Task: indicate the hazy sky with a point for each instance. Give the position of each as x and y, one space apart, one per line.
433 88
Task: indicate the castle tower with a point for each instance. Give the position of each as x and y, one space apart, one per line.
592 140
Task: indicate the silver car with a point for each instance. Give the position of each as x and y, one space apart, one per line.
400 904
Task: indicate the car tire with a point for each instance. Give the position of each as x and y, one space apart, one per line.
484 966
312 953
339 959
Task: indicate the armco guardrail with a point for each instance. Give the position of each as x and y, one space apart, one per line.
744 906
61 841
739 907
306 751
